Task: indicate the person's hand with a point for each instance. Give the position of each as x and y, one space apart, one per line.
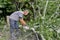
26 27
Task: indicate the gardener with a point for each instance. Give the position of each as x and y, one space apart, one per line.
14 18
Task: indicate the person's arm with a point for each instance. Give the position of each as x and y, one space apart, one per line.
22 22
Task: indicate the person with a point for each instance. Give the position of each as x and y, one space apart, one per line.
14 18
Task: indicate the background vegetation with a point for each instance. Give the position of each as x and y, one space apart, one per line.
46 13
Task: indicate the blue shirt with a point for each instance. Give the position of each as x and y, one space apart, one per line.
16 15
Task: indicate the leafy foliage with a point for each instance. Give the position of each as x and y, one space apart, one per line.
46 13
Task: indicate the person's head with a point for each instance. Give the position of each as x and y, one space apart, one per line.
26 12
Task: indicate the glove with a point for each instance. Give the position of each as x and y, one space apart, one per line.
26 27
